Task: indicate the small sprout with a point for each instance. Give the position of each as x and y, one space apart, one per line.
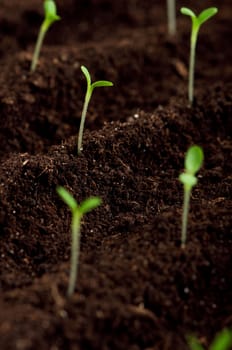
89 91
77 213
171 11
222 341
193 162
197 21
50 16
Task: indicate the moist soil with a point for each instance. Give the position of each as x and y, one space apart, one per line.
137 288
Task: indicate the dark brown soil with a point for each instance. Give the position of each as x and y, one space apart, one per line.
137 289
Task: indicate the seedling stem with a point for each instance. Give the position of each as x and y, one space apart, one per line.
88 95
77 213
171 9
50 17
75 251
187 194
193 162
197 21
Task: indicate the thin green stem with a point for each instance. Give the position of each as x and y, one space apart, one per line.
83 116
38 46
75 252
192 67
187 194
171 9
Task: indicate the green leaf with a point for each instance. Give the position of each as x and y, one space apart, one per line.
67 198
194 159
188 180
89 204
206 14
186 11
87 75
222 341
101 83
50 11
194 343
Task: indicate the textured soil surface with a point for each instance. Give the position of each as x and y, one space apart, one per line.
136 289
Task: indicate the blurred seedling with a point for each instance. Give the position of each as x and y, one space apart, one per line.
223 341
193 162
88 95
78 211
50 16
171 12
197 21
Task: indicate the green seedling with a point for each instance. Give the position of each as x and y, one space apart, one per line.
171 11
197 21
50 16
222 341
78 212
193 162
89 91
